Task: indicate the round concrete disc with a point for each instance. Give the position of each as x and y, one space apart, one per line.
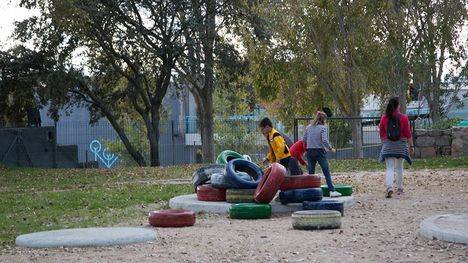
449 227
190 202
86 237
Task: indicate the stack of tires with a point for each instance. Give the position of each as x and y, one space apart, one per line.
240 180
300 188
345 190
234 179
321 214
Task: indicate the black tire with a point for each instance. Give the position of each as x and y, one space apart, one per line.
203 175
222 182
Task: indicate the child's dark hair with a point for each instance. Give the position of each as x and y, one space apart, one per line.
392 106
265 122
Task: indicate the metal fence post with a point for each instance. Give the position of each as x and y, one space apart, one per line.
173 143
296 130
54 146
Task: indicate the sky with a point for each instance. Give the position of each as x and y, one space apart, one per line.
9 13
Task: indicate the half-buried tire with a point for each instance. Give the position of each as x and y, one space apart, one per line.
300 182
270 183
238 169
209 193
203 175
250 211
324 205
240 195
316 219
343 189
226 156
300 195
171 218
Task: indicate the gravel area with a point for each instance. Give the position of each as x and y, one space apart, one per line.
374 230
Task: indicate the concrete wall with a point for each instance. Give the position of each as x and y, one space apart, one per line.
459 141
34 147
431 143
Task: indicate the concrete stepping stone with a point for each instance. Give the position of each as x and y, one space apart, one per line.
190 202
86 237
448 227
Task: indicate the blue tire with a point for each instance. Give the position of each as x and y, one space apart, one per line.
235 172
324 205
300 195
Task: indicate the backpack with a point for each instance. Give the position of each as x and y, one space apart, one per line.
288 140
393 128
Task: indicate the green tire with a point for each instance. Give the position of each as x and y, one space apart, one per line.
225 156
240 196
250 211
345 190
316 219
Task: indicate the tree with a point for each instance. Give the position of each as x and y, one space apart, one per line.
335 42
394 22
440 24
21 69
197 65
131 48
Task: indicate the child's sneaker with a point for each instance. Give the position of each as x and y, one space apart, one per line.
335 194
389 193
399 192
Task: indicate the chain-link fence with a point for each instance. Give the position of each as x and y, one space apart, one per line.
80 144
353 137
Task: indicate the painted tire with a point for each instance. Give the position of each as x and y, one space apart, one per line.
300 195
324 205
171 218
225 156
250 211
345 190
221 181
247 157
316 219
233 174
240 195
300 182
209 193
203 175
270 183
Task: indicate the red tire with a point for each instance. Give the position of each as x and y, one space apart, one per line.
270 183
172 218
207 192
300 182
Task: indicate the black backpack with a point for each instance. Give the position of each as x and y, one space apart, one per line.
393 128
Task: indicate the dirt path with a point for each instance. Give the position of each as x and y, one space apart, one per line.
375 230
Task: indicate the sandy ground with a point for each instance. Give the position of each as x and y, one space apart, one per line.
375 230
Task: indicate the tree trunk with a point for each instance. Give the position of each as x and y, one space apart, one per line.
358 149
207 127
204 102
153 137
402 99
434 109
136 155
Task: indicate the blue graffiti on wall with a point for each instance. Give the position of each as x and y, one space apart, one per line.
108 159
